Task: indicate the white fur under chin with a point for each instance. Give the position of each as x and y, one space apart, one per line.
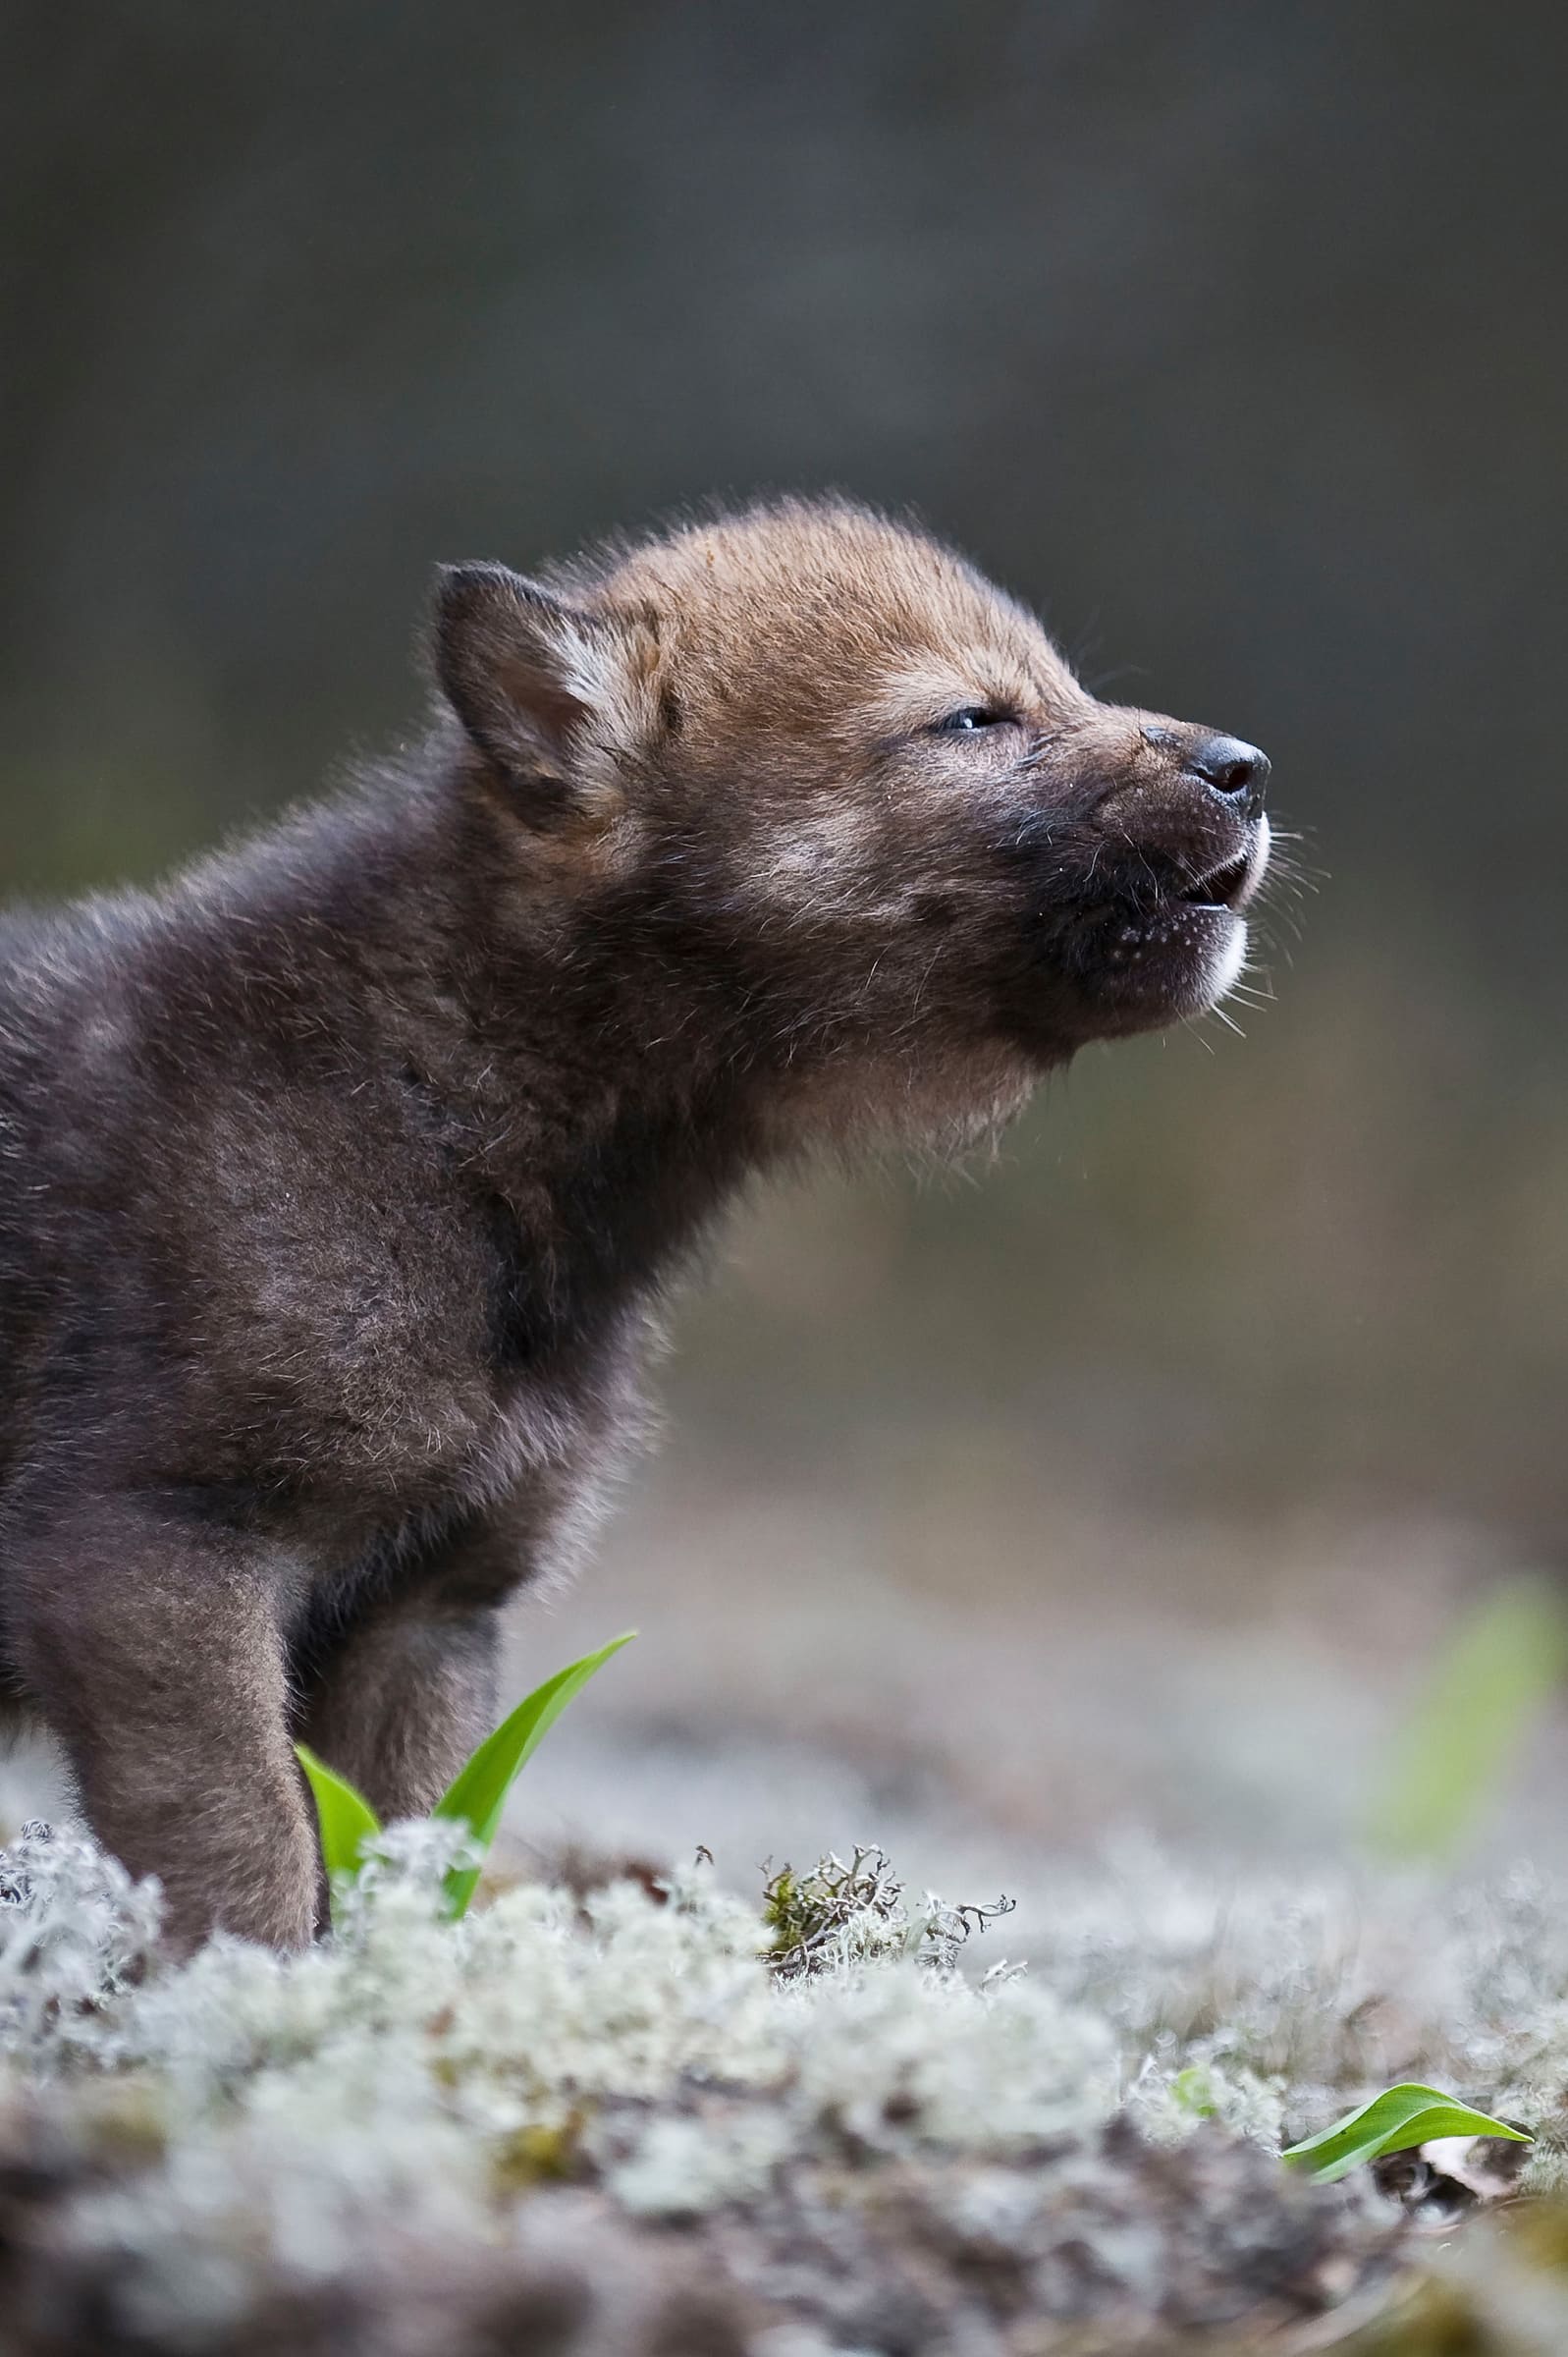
1227 963
1257 863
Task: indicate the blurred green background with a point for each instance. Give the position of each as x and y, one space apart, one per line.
1232 337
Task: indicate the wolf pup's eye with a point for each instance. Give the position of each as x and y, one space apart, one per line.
972 716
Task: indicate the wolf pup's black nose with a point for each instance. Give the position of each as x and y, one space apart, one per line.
1232 768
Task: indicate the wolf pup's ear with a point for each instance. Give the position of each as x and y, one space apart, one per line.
524 673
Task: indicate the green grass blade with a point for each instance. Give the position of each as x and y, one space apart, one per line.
478 1794
1393 2104
1394 2121
1421 2127
345 1816
1485 1692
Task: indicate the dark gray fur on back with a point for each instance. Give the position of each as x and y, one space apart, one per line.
323 1281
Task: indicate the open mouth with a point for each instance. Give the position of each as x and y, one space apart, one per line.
1223 887
1169 939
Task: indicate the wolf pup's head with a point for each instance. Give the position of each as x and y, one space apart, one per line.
825 760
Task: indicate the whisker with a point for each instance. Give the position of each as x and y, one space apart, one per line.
1118 671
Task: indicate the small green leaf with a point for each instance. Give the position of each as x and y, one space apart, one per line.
345 1816
1193 2090
1396 2122
478 1794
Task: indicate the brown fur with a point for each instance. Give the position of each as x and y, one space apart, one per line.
339 1182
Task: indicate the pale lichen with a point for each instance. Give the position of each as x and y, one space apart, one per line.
1097 2135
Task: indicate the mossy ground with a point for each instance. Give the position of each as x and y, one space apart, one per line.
600 2118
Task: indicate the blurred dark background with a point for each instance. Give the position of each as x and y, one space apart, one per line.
1229 335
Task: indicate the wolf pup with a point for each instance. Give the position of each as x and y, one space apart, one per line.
341 1180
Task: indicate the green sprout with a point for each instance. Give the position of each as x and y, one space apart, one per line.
1396 2122
475 1797
1484 1691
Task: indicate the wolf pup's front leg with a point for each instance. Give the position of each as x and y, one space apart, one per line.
152 1637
